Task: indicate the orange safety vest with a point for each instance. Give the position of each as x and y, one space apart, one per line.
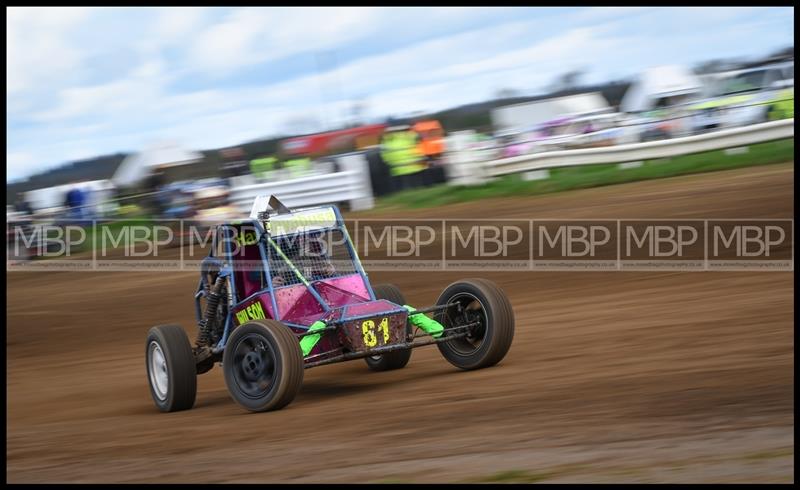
430 145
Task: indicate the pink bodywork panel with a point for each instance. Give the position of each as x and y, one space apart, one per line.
347 296
373 307
296 303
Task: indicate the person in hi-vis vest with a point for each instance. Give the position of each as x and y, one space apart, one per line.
297 167
399 149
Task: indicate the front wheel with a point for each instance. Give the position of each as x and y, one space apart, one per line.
171 368
263 365
484 306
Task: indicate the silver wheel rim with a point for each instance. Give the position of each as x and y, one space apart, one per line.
159 377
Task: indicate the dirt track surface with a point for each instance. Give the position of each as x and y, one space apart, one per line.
612 376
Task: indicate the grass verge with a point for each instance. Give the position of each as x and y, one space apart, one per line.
562 179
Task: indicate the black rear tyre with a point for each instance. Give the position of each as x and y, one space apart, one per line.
263 365
483 302
395 359
171 370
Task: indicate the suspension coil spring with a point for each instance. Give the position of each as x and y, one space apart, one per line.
214 296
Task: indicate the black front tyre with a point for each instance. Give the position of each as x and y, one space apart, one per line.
263 365
395 359
171 370
485 304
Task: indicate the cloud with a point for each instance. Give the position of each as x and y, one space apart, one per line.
176 24
88 82
420 63
36 51
572 45
250 36
137 92
209 118
143 91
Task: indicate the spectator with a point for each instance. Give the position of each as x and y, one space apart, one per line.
75 202
399 151
260 167
297 166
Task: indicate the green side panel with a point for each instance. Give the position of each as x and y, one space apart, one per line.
428 325
309 341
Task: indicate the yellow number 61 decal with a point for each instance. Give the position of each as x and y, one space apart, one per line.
368 329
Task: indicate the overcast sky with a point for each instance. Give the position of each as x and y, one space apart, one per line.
85 82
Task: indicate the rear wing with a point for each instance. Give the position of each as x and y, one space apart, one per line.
262 206
278 220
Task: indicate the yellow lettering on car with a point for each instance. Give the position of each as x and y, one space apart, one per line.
251 312
246 239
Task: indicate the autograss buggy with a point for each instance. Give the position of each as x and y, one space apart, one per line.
285 291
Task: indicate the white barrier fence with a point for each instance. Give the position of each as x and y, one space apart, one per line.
351 185
718 140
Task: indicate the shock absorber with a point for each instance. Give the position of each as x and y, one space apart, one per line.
206 324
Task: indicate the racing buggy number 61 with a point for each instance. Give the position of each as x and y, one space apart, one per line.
285 291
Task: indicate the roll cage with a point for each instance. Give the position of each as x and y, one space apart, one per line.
223 240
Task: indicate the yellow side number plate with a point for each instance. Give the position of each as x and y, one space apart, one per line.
370 336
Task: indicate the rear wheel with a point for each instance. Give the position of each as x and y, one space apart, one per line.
483 304
263 365
395 359
170 368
